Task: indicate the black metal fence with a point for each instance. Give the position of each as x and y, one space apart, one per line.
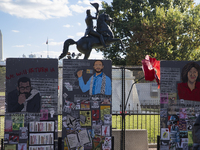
147 118
146 114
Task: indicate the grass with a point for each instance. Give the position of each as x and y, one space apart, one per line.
2 93
149 122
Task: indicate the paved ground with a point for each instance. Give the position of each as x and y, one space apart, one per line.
152 149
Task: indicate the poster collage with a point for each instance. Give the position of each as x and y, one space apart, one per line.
31 104
87 117
179 104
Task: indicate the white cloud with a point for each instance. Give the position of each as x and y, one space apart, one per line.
67 26
77 8
15 31
80 33
36 9
70 36
18 46
79 23
28 44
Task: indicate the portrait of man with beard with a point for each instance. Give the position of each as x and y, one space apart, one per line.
24 98
99 83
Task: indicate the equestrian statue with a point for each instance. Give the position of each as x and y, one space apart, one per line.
101 38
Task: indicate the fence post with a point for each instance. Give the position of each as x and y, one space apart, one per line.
158 142
137 115
1 144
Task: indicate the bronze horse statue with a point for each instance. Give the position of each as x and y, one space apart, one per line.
86 44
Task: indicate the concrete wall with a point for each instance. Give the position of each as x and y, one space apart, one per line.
134 139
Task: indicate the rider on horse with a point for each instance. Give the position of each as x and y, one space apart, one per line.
90 27
87 43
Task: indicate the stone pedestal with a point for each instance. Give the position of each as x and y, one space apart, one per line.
117 91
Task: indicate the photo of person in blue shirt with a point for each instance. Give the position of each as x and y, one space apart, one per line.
99 83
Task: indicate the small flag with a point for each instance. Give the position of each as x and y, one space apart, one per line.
47 41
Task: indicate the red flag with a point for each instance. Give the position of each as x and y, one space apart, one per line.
151 69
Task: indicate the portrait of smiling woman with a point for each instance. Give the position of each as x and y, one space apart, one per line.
189 89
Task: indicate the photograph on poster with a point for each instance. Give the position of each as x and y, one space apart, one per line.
172 98
97 129
95 104
107 119
13 138
23 133
106 101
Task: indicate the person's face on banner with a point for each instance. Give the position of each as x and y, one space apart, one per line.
98 66
192 75
24 88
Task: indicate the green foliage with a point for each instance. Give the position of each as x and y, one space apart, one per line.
164 29
2 78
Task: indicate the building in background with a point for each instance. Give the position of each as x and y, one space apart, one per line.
148 93
2 63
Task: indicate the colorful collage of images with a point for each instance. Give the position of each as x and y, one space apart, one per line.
178 112
87 117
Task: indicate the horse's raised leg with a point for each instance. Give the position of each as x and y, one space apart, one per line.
66 45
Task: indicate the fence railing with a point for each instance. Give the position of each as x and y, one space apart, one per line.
147 117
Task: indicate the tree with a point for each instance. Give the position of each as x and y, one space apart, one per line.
164 29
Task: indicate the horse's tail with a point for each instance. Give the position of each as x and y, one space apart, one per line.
67 43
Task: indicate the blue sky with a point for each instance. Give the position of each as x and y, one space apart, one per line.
26 25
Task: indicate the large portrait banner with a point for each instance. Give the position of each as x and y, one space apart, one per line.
180 105
31 103
87 104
